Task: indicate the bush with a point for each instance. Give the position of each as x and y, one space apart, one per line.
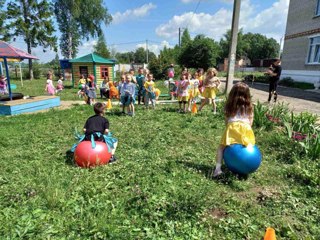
289 82
36 72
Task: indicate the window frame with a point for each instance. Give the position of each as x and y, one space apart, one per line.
103 71
311 51
317 12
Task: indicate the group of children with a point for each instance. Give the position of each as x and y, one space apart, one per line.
238 113
127 90
190 86
50 88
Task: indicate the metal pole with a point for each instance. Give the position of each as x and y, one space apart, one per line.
8 77
1 68
233 44
20 74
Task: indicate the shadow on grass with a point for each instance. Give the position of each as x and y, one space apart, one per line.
69 87
226 178
69 158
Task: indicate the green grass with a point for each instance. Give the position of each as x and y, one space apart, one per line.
160 188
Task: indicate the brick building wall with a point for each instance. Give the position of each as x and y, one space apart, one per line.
302 23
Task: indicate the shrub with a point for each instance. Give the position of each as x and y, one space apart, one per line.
36 72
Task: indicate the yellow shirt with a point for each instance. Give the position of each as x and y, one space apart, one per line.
82 81
149 86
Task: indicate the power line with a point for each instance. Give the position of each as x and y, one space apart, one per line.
193 13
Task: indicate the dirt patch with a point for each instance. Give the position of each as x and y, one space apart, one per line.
217 213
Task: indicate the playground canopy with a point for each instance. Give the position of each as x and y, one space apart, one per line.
9 53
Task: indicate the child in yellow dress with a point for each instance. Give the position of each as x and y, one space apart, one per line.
150 91
211 84
193 89
239 117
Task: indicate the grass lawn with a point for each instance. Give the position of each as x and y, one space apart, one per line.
161 186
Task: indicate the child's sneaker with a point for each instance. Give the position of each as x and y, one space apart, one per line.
217 172
112 159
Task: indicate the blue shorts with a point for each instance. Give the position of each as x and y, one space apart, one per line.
126 100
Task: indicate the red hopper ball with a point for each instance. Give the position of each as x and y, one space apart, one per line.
85 156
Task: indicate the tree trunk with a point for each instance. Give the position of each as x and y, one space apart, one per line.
70 45
30 61
27 36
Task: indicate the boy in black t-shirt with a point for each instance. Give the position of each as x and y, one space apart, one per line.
99 124
274 72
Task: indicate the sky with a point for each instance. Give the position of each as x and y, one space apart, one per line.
158 21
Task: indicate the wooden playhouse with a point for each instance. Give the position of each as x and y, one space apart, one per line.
92 64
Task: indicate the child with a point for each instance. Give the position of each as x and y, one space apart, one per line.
134 80
113 91
3 85
98 126
150 94
82 82
49 86
60 85
91 90
193 89
182 92
171 71
211 84
239 117
200 78
140 85
126 95
104 87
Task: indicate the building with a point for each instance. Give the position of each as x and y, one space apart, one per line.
92 64
301 52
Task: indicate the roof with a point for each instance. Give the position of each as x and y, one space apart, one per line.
8 51
92 58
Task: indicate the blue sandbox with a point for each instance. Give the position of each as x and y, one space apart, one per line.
32 104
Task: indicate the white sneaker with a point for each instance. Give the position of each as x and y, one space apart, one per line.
217 172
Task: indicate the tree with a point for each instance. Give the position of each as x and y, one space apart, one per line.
32 20
252 45
140 55
101 47
3 29
127 57
79 16
201 52
185 38
225 44
260 47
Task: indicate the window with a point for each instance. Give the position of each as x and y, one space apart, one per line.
83 71
314 50
318 8
104 71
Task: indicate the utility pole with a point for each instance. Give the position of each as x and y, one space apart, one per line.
280 47
233 44
147 51
179 37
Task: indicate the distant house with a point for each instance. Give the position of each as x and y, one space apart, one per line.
92 64
301 52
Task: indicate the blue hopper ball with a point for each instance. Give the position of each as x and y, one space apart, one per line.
242 160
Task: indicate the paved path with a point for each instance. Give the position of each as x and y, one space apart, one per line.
299 100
